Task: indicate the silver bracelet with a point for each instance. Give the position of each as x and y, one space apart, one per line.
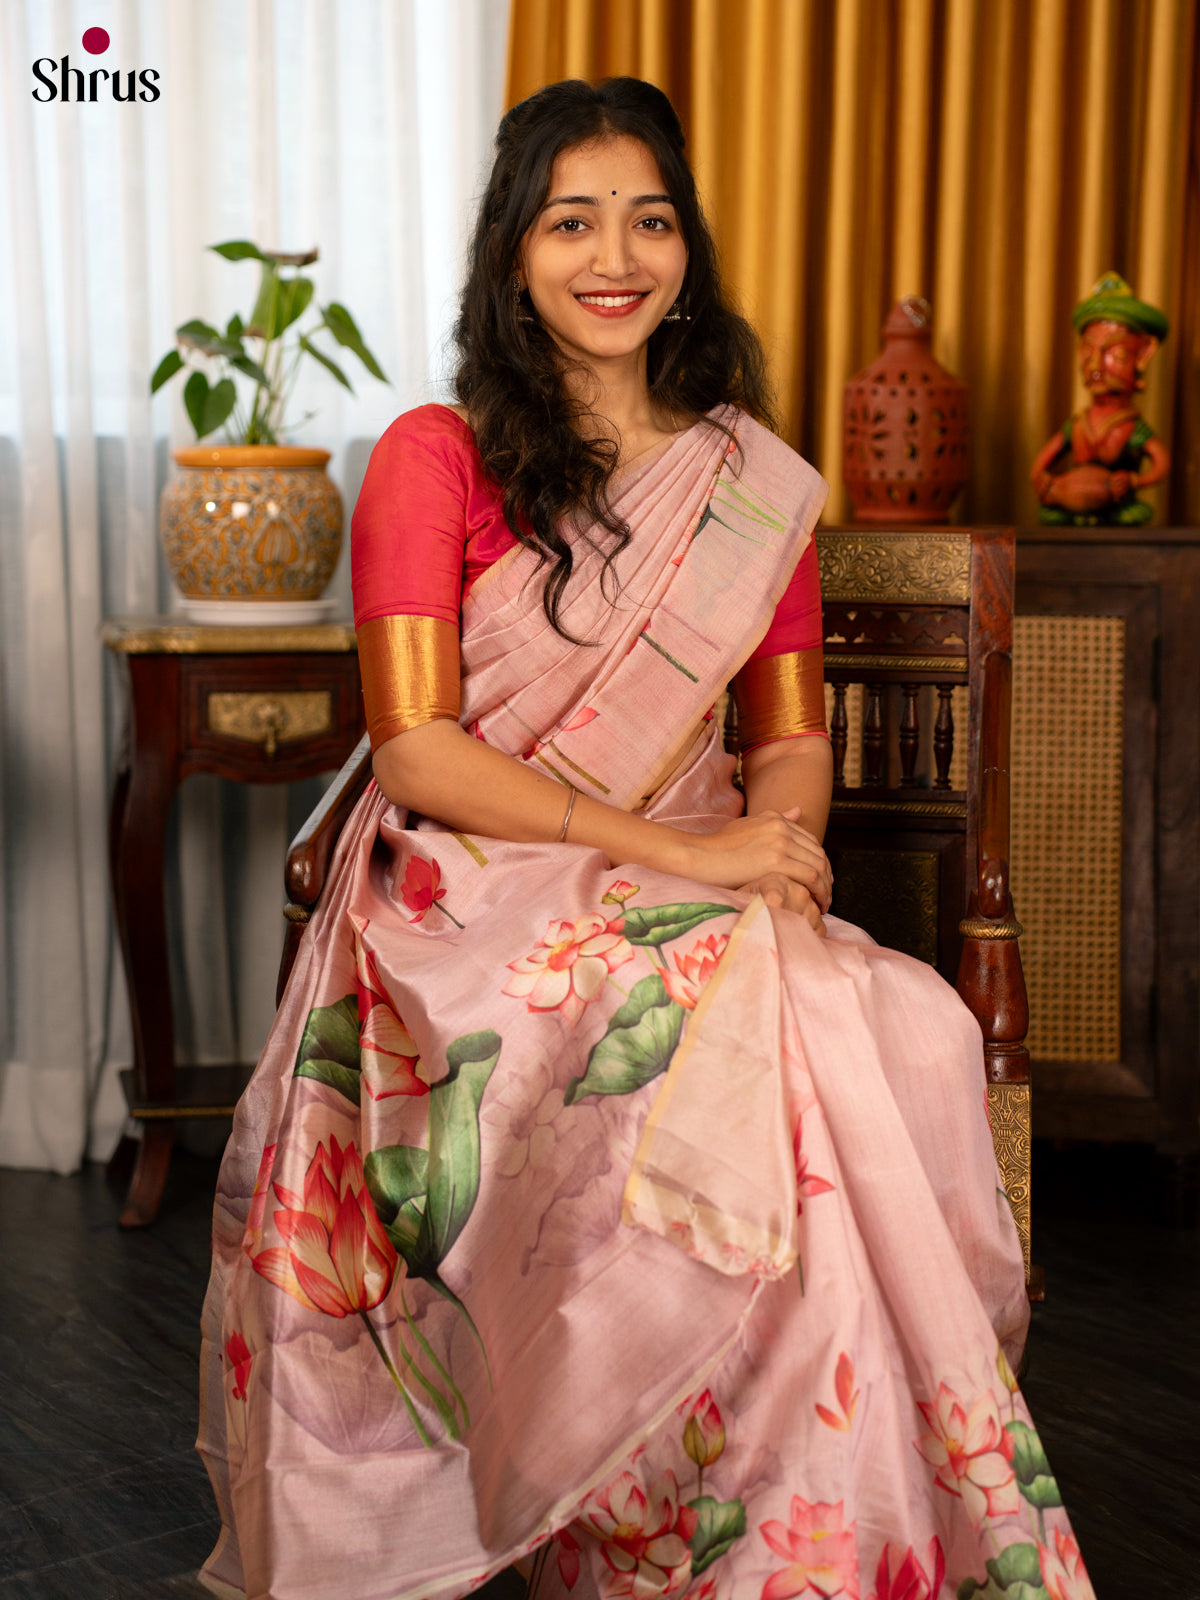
570 807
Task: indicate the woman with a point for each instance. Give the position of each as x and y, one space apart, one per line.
598 1205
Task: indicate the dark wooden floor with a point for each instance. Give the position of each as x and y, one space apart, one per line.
102 1497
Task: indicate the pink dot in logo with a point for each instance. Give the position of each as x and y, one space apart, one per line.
95 41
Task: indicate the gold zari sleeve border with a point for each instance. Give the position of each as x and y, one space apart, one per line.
780 697
410 673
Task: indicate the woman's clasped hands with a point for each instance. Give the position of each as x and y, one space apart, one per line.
770 853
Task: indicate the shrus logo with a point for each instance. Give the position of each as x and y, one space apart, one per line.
59 80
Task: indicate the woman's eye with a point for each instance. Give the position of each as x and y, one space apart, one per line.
655 225
569 225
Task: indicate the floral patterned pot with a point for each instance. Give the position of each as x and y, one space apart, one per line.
251 522
905 427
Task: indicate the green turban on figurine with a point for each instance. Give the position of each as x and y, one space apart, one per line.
1112 300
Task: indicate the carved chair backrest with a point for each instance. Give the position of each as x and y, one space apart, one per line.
918 839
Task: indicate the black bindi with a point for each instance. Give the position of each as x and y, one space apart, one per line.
614 191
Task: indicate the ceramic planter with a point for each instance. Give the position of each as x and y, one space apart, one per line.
251 522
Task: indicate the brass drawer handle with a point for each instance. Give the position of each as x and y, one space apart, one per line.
271 719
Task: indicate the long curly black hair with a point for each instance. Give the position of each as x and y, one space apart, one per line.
511 374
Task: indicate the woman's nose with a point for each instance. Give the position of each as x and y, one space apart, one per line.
613 258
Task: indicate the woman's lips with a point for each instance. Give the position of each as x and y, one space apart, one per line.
612 305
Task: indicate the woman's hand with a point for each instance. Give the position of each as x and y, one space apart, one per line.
769 852
778 891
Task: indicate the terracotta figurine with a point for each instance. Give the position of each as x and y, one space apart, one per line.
1092 468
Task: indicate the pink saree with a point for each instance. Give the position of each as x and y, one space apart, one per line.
600 1216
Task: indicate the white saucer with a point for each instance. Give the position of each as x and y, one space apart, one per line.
258 613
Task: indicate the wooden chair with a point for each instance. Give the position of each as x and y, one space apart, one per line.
921 864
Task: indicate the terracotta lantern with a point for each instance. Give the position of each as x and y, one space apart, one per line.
905 427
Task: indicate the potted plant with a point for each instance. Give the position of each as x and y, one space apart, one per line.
250 518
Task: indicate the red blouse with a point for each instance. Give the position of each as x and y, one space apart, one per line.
428 522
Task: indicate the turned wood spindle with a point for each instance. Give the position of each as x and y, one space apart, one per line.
910 734
838 733
943 736
873 737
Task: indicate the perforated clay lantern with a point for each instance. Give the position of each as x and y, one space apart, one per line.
905 426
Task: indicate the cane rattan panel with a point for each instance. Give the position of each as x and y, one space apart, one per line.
1066 836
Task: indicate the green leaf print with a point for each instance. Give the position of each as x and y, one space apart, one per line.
719 1524
329 1050
638 1045
1015 1574
395 1174
660 924
454 1144
1034 1478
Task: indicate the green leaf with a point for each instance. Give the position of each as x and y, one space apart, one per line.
198 335
454 1144
395 1174
238 250
638 1045
404 1230
659 924
331 366
252 370
208 407
294 296
720 1523
170 364
342 326
1015 1574
329 1049
1034 1477
264 319
234 329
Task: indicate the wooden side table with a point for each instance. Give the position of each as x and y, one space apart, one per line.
255 704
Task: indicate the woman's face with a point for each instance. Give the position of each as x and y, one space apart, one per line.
604 260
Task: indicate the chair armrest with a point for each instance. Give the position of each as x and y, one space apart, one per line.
310 851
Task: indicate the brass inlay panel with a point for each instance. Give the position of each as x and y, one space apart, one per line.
893 894
1008 1112
271 719
141 636
895 568
903 808
953 666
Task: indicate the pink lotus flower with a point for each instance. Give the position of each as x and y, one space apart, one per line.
568 1557
617 893
900 1576
390 1057
570 966
972 1454
258 1200
704 1432
695 969
847 1397
819 1548
420 889
336 1257
1063 1571
643 1538
237 1353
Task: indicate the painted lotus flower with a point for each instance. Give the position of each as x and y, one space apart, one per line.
972 1454
390 1057
1063 1571
900 1576
422 889
807 1183
237 1353
820 1550
847 1397
568 1557
617 893
258 1200
570 966
643 1536
704 1432
694 970
335 1257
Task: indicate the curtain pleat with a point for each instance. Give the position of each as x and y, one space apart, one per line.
996 158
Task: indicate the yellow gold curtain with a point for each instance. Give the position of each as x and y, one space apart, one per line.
993 155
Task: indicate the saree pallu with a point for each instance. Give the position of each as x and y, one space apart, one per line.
593 1215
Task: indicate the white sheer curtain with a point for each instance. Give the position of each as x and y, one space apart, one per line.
362 126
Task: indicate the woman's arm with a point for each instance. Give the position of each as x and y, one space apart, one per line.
793 777
439 770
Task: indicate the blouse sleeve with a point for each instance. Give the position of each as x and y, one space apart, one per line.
406 548
780 692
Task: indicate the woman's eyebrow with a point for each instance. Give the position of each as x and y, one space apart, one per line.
591 200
